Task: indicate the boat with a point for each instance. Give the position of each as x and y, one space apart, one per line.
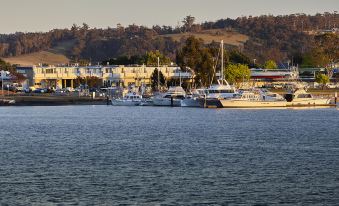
299 97
254 99
146 102
130 99
195 99
270 96
221 90
7 101
172 97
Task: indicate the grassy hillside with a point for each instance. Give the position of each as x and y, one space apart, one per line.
35 58
229 37
53 56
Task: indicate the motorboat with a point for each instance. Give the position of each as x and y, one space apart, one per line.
299 97
270 96
130 99
172 97
7 101
222 90
146 102
253 99
195 99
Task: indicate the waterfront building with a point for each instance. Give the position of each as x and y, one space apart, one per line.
63 77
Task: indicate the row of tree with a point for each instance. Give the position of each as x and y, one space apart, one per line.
271 37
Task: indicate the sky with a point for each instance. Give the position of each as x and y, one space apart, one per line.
44 15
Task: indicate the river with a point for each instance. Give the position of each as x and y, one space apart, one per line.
105 155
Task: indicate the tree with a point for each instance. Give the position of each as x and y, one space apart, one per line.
315 58
188 22
236 57
195 56
151 58
154 79
322 79
236 73
270 64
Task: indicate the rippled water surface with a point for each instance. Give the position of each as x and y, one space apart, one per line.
104 155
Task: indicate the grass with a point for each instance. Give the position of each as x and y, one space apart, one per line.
54 56
230 37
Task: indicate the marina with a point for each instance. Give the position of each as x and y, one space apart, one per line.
140 103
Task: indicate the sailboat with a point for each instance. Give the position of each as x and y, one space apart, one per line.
221 90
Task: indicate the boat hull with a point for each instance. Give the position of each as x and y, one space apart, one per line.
309 102
251 104
197 102
125 103
167 102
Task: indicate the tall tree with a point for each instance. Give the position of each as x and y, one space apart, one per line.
188 23
154 80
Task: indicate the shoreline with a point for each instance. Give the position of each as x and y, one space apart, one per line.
51 100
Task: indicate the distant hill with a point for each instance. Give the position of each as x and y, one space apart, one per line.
261 38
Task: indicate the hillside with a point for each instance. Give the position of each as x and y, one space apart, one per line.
210 35
35 58
263 37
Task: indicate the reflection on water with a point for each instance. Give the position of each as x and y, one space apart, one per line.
104 155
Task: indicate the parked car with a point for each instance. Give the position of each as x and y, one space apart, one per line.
39 90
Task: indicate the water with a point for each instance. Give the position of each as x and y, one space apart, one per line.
104 155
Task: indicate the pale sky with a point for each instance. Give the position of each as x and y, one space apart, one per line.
44 15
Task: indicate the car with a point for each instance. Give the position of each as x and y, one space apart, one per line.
39 90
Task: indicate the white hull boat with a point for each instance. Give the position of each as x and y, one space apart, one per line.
172 97
254 100
193 102
238 103
301 98
121 102
130 99
167 102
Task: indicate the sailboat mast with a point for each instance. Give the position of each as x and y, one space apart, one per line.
222 60
158 74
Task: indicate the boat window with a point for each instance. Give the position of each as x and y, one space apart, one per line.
304 96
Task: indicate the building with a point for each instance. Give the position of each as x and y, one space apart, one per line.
63 77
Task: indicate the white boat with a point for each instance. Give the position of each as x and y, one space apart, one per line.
270 96
249 99
172 97
7 101
300 97
195 99
146 102
222 90
130 99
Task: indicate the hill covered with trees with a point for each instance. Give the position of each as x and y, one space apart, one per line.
264 37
